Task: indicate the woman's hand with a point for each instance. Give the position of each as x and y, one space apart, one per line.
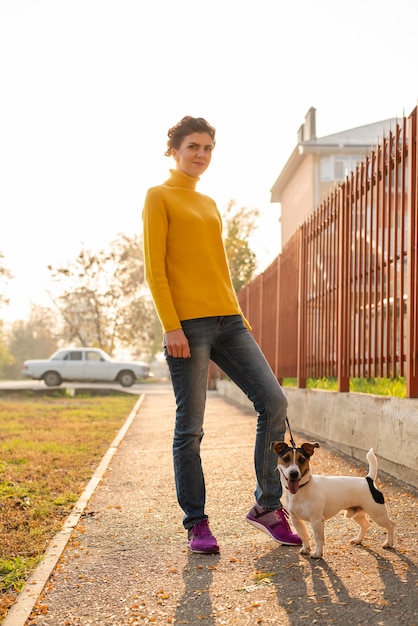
176 344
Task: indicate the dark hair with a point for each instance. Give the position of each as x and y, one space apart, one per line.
187 126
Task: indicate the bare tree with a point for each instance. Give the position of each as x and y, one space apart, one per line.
239 223
103 298
6 358
5 276
36 338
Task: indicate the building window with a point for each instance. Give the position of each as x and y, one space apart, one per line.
337 167
339 170
326 170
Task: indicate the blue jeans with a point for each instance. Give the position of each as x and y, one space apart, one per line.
228 343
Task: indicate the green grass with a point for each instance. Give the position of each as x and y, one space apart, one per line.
14 572
395 387
50 446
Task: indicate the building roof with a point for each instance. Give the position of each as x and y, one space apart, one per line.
353 140
360 137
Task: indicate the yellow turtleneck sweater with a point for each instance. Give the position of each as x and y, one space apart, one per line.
185 261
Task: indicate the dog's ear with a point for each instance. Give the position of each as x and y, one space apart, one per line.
309 448
278 446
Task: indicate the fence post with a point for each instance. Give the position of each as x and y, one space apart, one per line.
343 304
277 326
412 256
302 310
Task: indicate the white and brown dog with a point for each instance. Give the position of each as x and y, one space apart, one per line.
315 498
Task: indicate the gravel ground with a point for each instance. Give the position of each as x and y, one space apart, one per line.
127 562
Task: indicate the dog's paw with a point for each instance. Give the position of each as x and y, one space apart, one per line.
305 550
317 555
356 541
387 545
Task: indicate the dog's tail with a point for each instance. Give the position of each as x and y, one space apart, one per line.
371 477
371 457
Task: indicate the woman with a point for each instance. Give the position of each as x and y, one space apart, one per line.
188 275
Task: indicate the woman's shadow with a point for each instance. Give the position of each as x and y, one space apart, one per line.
195 604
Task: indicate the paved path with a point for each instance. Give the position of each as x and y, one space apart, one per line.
127 563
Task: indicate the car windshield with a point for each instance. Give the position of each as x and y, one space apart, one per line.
58 355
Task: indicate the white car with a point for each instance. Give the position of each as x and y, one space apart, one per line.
84 364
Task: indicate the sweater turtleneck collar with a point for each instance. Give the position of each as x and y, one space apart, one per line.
180 179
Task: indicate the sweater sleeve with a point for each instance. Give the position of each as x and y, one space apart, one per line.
155 224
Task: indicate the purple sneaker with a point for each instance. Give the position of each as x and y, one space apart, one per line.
273 523
201 539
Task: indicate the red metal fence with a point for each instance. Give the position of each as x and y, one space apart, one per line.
341 300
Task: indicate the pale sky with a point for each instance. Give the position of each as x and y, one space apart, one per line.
89 89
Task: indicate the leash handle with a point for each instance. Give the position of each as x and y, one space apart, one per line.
292 441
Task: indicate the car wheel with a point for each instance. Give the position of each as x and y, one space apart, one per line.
126 379
52 379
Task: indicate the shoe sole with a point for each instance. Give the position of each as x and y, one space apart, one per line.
266 530
213 551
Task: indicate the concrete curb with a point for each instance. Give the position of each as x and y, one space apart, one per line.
26 600
352 423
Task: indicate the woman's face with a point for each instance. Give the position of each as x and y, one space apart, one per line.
194 155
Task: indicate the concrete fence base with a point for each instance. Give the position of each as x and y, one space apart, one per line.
353 423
